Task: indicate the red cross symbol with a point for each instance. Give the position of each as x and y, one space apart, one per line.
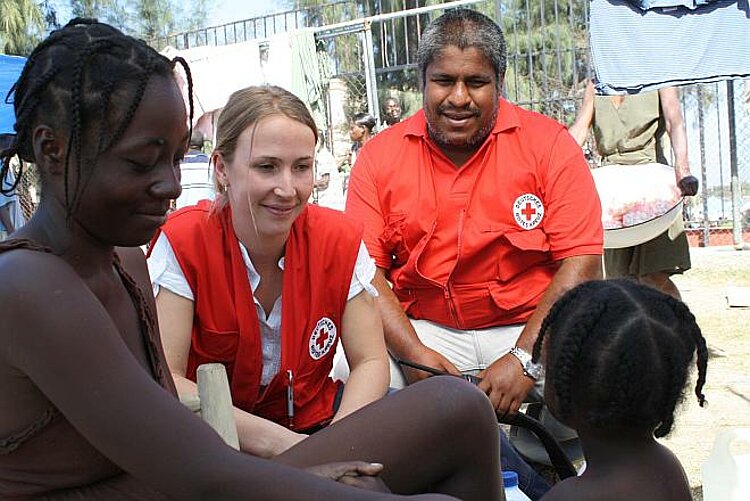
529 211
321 341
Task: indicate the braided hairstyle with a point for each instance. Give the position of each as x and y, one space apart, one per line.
617 355
87 79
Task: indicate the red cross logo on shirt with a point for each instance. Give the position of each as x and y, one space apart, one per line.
323 338
528 211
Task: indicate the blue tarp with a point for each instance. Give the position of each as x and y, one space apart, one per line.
10 70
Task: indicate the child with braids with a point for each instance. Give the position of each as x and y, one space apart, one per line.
617 356
88 406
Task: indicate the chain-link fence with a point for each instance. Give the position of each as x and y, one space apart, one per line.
27 190
717 118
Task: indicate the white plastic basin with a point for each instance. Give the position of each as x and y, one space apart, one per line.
622 183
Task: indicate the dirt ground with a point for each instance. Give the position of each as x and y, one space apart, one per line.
704 289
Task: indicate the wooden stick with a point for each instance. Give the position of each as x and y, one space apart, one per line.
216 402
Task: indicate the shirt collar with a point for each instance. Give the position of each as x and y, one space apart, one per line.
252 274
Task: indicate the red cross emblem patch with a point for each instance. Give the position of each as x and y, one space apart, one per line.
528 211
323 338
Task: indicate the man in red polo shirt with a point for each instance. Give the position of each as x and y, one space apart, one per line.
480 215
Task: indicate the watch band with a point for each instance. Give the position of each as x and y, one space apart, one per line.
530 369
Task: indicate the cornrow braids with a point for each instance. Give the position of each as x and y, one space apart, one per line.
86 78
571 350
618 353
694 341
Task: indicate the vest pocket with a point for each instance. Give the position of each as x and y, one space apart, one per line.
220 346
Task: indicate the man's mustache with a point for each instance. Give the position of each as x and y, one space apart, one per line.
442 109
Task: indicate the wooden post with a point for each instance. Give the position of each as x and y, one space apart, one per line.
216 402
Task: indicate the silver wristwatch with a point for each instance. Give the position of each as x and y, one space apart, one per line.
534 371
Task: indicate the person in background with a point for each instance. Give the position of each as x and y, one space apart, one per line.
628 130
391 111
329 186
479 215
89 410
196 176
617 356
11 216
360 132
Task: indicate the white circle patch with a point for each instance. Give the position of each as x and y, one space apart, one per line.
528 211
323 338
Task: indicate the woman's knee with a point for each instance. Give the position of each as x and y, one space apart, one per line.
462 403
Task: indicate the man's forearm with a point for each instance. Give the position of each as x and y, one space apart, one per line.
573 271
400 337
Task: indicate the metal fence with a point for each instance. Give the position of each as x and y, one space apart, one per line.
717 117
28 188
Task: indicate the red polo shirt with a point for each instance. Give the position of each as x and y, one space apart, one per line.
475 246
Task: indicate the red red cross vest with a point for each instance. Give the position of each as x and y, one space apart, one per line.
319 260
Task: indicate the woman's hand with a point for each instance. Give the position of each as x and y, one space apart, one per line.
355 473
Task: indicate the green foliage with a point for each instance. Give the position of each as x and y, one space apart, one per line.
109 11
547 56
154 18
197 16
22 24
150 20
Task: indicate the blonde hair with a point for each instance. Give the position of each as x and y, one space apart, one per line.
246 108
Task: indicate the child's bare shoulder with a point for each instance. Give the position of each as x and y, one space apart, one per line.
569 489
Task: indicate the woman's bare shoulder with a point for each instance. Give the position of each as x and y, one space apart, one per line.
24 271
42 295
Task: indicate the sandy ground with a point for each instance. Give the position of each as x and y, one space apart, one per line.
704 289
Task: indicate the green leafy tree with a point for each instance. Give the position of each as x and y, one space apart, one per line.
154 19
113 12
22 24
547 54
196 15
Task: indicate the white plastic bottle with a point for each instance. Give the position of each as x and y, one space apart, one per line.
726 476
512 492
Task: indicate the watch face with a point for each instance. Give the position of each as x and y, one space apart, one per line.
534 370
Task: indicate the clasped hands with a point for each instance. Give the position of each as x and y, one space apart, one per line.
355 473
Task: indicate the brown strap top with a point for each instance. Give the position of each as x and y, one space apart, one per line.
148 332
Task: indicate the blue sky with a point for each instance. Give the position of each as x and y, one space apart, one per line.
226 11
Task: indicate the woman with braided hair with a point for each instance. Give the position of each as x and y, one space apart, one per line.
88 405
617 356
